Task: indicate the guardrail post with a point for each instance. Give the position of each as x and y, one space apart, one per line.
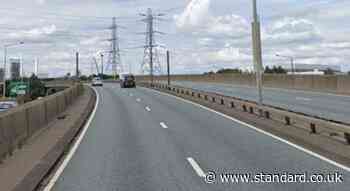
313 128
213 99
244 108
222 102
287 120
251 110
267 114
232 104
347 137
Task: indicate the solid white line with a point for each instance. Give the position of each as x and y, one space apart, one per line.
72 151
261 131
148 108
162 124
196 167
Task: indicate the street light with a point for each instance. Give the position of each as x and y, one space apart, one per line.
257 53
101 54
291 61
5 60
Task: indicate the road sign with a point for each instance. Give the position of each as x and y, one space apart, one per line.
18 88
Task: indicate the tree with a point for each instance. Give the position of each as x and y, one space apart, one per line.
37 88
329 71
209 73
229 71
83 78
268 70
275 70
280 70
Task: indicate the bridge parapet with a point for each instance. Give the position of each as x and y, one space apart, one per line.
19 124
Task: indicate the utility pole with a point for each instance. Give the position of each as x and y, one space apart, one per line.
257 53
292 66
77 65
168 65
101 66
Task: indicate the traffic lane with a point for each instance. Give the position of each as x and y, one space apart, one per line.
329 106
125 149
172 157
222 145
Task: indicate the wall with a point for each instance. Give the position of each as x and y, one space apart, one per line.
330 84
19 124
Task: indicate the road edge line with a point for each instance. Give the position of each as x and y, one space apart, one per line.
305 150
73 149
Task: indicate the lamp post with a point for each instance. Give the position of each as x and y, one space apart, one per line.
5 60
257 53
101 65
291 62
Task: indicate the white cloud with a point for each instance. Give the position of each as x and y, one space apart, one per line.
197 18
195 14
35 32
291 30
40 2
232 25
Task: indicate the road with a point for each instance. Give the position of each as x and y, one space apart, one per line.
329 106
143 140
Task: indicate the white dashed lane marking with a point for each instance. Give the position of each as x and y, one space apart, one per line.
196 167
162 124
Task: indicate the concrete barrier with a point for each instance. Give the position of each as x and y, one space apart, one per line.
330 84
36 117
311 124
51 108
19 124
343 84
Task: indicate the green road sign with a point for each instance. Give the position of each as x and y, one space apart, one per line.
18 88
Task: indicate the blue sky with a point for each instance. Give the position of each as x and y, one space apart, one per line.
202 35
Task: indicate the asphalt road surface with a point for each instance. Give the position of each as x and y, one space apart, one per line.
143 140
329 106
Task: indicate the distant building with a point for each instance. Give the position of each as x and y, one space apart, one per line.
315 72
15 68
2 75
36 66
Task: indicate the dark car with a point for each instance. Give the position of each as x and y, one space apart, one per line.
127 81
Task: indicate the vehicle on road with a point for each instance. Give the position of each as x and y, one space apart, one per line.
127 81
6 105
97 82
